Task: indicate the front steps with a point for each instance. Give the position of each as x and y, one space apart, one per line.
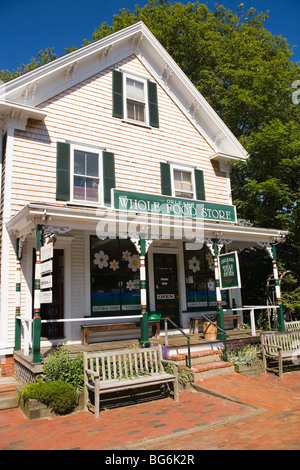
8 397
204 364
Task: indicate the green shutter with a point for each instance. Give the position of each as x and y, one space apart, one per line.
62 171
117 87
165 174
108 176
153 105
200 189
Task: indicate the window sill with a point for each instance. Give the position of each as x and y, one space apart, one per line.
87 204
136 123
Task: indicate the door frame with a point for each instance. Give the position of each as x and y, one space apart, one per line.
173 248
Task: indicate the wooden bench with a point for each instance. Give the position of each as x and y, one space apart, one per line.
127 369
86 329
280 346
194 322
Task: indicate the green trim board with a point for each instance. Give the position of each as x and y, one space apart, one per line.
229 271
170 206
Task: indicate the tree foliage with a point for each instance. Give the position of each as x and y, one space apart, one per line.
246 74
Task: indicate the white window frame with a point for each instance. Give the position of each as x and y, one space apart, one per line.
90 149
137 78
187 169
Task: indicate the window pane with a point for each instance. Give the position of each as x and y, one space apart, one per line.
79 188
92 164
135 89
92 189
183 184
135 111
79 162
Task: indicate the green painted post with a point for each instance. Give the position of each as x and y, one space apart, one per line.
36 340
220 313
18 305
280 317
145 320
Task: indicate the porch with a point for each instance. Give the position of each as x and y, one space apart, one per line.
177 343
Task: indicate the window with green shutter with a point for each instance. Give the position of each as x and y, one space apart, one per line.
84 174
182 181
134 99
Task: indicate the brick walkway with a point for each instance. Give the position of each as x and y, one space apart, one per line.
264 414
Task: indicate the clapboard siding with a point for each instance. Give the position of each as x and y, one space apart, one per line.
83 113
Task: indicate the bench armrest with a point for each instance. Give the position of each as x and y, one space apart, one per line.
269 346
172 363
91 372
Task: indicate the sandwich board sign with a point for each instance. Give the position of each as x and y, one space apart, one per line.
229 271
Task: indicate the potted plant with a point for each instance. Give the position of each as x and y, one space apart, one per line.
247 358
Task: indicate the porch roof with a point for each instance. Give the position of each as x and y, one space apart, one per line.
107 222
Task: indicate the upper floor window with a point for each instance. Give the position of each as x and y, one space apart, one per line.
135 99
135 96
84 174
183 183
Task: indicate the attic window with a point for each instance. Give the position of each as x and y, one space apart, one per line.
135 100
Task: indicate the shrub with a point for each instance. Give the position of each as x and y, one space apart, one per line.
59 365
60 396
247 354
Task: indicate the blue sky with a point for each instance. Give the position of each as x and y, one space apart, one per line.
28 26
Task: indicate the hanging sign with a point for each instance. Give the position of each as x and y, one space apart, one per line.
229 271
47 251
47 267
46 282
46 296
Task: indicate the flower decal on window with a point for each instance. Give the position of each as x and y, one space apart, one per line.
101 259
114 265
211 285
126 255
134 263
210 261
194 264
130 285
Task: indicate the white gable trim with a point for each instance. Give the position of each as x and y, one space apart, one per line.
34 87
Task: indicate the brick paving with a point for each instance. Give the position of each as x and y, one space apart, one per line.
264 414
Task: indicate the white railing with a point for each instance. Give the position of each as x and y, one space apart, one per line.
28 321
252 309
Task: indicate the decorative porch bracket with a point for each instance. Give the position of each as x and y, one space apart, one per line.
271 249
142 246
215 246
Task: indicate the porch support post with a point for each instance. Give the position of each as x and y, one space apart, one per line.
280 317
145 320
36 340
220 313
18 303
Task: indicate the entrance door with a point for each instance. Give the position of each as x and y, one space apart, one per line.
166 286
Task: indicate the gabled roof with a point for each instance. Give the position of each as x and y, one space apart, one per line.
33 88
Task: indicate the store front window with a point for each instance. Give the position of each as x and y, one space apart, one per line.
200 278
115 277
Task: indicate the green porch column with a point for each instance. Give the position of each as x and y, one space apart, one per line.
145 323
220 314
18 304
36 340
280 317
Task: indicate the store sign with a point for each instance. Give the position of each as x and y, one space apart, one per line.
47 252
229 271
169 206
46 297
